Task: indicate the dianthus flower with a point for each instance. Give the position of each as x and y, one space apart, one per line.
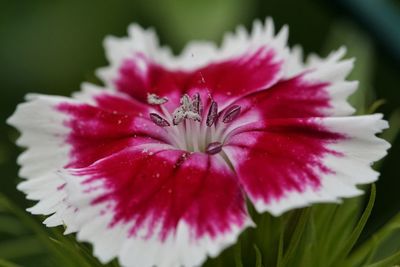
154 167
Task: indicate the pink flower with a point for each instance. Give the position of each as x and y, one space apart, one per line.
154 168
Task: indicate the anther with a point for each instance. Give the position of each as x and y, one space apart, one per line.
154 99
192 115
197 105
212 114
178 116
189 109
231 113
214 148
186 104
158 120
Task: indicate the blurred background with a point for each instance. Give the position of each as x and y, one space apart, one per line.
52 46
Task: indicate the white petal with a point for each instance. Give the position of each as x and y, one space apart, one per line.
179 249
42 133
196 54
360 150
333 70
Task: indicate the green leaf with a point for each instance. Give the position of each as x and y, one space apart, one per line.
366 251
28 221
21 247
324 214
11 226
114 263
238 255
345 250
389 261
296 237
335 235
281 244
258 256
376 105
62 258
5 263
77 251
306 257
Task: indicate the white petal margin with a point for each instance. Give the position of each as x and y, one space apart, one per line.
43 135
360 149
178 250
332 69
196 54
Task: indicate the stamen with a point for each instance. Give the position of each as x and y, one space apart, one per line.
158 120
197 104
187 109
214 148
212 114
192 115
205 137
231 113
154 99
186 104
178 115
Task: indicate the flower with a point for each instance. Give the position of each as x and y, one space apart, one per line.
154 168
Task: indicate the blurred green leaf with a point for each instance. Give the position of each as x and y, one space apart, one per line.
75 251
10 225
184 21
296 237
73 258
366 251
281 244
238 255
336 234
390 261
305 256
359 46
376 105
394 127
5 263
21 247
345 250
258 256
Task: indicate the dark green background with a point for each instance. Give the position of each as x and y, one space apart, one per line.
52 46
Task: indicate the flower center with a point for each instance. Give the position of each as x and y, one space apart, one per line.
189 127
